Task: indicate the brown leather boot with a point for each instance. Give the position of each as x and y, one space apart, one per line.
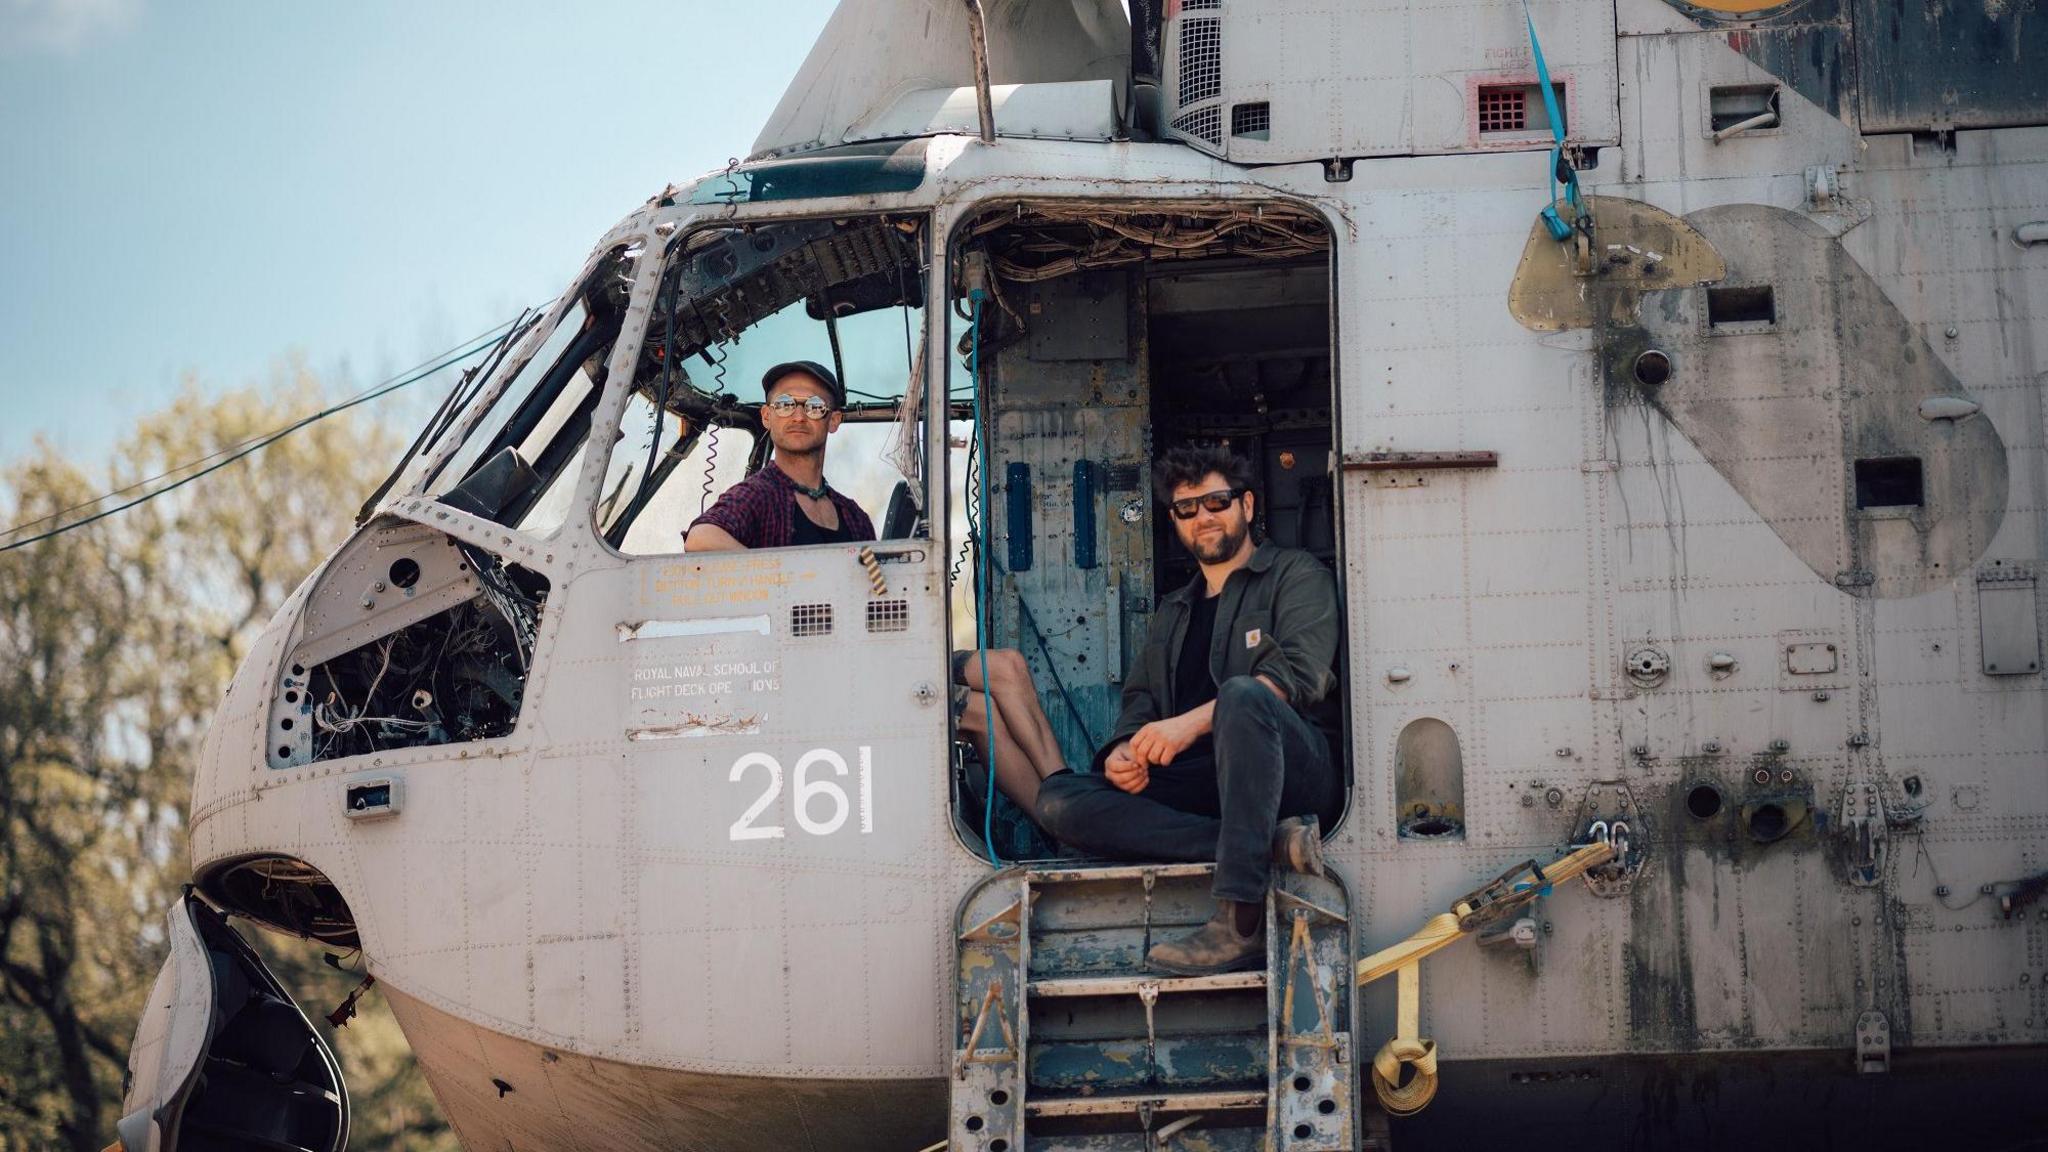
1298 845
1214 947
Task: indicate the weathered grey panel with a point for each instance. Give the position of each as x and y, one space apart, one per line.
1937 65
1784 411
1808 47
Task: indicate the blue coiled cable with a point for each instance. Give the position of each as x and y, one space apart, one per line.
982 577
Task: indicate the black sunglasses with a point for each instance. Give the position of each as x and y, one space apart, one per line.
1207 501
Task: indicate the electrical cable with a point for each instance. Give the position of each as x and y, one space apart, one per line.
710 465
245 448
982 590
25 525
457 401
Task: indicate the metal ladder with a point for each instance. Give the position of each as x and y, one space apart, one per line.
1063 1042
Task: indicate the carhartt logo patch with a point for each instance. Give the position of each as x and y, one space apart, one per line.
1251 638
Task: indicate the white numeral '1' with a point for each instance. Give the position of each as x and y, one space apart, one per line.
805 791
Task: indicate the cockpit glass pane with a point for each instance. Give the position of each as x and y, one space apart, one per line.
854 170
486 431
519 461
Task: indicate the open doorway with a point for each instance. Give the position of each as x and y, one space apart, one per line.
1104 335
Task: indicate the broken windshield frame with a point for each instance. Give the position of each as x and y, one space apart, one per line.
526 398
737 298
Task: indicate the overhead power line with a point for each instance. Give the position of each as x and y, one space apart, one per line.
223 457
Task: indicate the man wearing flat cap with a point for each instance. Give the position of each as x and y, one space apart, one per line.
787 502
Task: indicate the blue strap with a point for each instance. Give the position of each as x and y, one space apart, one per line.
1559 229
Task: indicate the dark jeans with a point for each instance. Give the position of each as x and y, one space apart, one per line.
1268 763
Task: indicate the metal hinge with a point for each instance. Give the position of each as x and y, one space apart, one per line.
1873 1043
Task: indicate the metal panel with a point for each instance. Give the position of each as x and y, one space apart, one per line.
1084 317
1018 523
1944 65
2009 626
1075 391
1377 79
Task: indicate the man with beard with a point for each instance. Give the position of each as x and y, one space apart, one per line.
788 501
1222 750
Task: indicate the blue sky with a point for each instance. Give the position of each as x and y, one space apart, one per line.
196 186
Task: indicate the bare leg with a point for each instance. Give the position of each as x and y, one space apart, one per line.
1016 701
1015 775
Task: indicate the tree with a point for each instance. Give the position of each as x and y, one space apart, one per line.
116 640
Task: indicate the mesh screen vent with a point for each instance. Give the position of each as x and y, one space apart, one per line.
1253 120
1205 124
810 619
1503 109
1201 60
1198 5
888 615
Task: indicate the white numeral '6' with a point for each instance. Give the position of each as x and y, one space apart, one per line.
838 805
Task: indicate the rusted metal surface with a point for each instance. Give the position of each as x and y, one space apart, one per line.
1942 65
1418 461
1639 248
1895 66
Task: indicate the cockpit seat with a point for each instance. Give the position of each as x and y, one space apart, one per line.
494 486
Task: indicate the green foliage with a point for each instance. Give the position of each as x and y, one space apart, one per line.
116 641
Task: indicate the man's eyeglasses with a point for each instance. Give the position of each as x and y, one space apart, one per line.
1206 502
787 406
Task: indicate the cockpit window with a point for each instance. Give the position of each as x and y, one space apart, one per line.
735 302
855 170
518 461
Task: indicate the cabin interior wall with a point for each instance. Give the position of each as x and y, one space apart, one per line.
1069 514
1114 367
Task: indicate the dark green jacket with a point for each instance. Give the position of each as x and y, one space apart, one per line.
1276 617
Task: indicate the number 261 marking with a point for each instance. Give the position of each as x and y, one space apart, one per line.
806 790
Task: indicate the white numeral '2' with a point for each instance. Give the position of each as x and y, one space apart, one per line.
839 806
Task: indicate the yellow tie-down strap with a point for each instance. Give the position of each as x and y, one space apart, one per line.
1404 960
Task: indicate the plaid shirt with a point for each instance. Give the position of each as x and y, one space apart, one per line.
761 512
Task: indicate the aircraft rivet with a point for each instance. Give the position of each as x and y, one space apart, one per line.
1951 333
1855 921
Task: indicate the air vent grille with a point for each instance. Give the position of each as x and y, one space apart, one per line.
1202 124
1503 109
810 619
888 615
1254 120
1201 60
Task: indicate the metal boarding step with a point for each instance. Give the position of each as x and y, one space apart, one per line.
1064 1042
